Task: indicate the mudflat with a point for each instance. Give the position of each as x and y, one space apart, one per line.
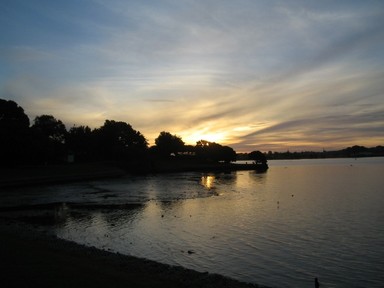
31 258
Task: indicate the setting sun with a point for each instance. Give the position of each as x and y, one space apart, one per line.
218 137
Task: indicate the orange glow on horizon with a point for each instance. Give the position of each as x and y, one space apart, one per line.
218 137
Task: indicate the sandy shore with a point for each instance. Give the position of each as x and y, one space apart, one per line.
31 258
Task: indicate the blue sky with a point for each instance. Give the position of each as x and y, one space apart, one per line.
255 75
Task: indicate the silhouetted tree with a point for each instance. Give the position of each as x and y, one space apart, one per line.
378 151
14 126
119 141
49 137
214 152
258 157
50 127
355 151
227 154
166 144
190 149
81 143
12 116
204 150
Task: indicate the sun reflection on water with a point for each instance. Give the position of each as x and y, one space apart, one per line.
208 181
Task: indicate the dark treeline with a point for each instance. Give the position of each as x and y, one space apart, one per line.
47 141
350 152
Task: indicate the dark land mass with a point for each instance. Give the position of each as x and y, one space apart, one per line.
350 152
182 165
64 173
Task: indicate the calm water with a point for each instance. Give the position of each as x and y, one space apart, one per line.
302 219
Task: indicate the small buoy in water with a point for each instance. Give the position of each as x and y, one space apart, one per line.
191 252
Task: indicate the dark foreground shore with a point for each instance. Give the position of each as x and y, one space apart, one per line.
31 258
52 174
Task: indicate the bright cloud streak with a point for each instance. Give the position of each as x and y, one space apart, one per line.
267 75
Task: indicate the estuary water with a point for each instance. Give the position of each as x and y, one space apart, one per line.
300 220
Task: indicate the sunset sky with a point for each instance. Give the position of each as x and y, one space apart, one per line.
251 74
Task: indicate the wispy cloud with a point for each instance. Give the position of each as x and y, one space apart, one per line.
256 74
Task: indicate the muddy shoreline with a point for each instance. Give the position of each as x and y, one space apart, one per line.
33 258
